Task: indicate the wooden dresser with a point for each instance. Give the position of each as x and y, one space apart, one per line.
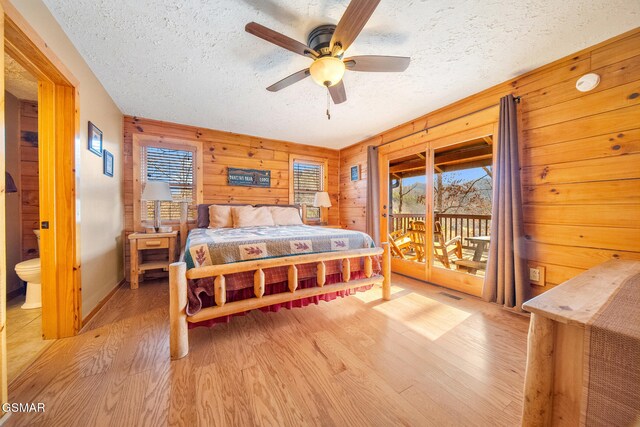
560 321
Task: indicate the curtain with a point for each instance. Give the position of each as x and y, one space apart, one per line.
506 281
373 194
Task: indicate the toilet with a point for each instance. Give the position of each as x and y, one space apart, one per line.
29 271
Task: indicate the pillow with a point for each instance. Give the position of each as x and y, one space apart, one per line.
220 216
248 216
202 220
285 216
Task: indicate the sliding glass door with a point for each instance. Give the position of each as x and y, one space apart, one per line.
436 208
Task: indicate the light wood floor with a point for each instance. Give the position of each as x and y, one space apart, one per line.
421 359
24 336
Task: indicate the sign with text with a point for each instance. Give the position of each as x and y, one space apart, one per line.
249 177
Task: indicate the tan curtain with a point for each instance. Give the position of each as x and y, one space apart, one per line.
373 194
506 279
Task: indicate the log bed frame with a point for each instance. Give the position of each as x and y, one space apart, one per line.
178 277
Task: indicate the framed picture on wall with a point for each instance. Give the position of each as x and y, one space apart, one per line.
355 173
107 163
95 139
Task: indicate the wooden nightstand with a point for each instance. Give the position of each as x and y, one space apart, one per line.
144 241
329 226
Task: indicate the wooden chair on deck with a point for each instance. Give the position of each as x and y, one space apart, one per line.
442 250
401 245
418 233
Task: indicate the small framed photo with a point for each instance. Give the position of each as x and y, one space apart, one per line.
108 163
95 139
355 173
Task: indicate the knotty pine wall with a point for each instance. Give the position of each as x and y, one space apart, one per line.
224 149
29 178
580 158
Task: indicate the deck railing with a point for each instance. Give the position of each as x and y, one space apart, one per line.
463 225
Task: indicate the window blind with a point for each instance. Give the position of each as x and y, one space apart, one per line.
174 167
307 180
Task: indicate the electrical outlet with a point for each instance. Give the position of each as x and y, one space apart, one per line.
534 274
537 275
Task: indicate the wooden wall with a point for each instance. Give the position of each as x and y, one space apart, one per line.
29 178
224 149
580 158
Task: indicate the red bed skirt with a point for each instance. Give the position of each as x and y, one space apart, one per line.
279 287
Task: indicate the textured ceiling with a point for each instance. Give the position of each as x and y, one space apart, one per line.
18 81
191 61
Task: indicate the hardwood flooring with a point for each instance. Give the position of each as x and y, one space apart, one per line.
424 358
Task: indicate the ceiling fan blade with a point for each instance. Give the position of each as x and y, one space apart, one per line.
288 81
376 63
354 19
280 39
338 94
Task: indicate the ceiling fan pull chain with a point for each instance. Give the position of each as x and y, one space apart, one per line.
328 104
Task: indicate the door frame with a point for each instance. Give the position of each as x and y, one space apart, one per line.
59 179
417 270
481 124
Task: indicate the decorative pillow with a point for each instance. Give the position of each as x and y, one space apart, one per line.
220 216
286 216
248 216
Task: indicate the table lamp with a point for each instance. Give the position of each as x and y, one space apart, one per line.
157 191
322 200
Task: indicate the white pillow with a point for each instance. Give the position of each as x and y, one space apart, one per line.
248 216
286 215
220 216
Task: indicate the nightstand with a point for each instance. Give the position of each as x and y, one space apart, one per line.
329 226
146 241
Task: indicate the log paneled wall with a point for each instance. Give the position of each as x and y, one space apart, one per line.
580 158
29 178
224 149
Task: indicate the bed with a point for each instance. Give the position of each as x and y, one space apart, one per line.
225 272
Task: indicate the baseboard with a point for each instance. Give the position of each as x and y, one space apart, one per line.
101 304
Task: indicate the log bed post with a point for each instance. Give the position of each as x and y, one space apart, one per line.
179 334
386 272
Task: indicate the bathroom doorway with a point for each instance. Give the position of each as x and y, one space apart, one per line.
58 172
22 218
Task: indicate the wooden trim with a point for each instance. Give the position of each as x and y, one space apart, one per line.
140 140
3 252
39 59
324 162
59 134
103 301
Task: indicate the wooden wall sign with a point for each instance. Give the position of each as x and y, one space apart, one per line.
249 177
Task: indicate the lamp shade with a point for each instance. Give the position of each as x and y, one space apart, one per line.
157 190
322 200
327 71
9 184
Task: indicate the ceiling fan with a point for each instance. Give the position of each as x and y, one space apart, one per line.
326 45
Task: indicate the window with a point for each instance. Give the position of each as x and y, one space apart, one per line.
309 177
173 163
174 167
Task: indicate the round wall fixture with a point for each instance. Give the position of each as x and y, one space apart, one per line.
588 82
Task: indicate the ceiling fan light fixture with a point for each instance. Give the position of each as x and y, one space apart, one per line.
327 71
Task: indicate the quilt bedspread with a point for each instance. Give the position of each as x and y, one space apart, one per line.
227 245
